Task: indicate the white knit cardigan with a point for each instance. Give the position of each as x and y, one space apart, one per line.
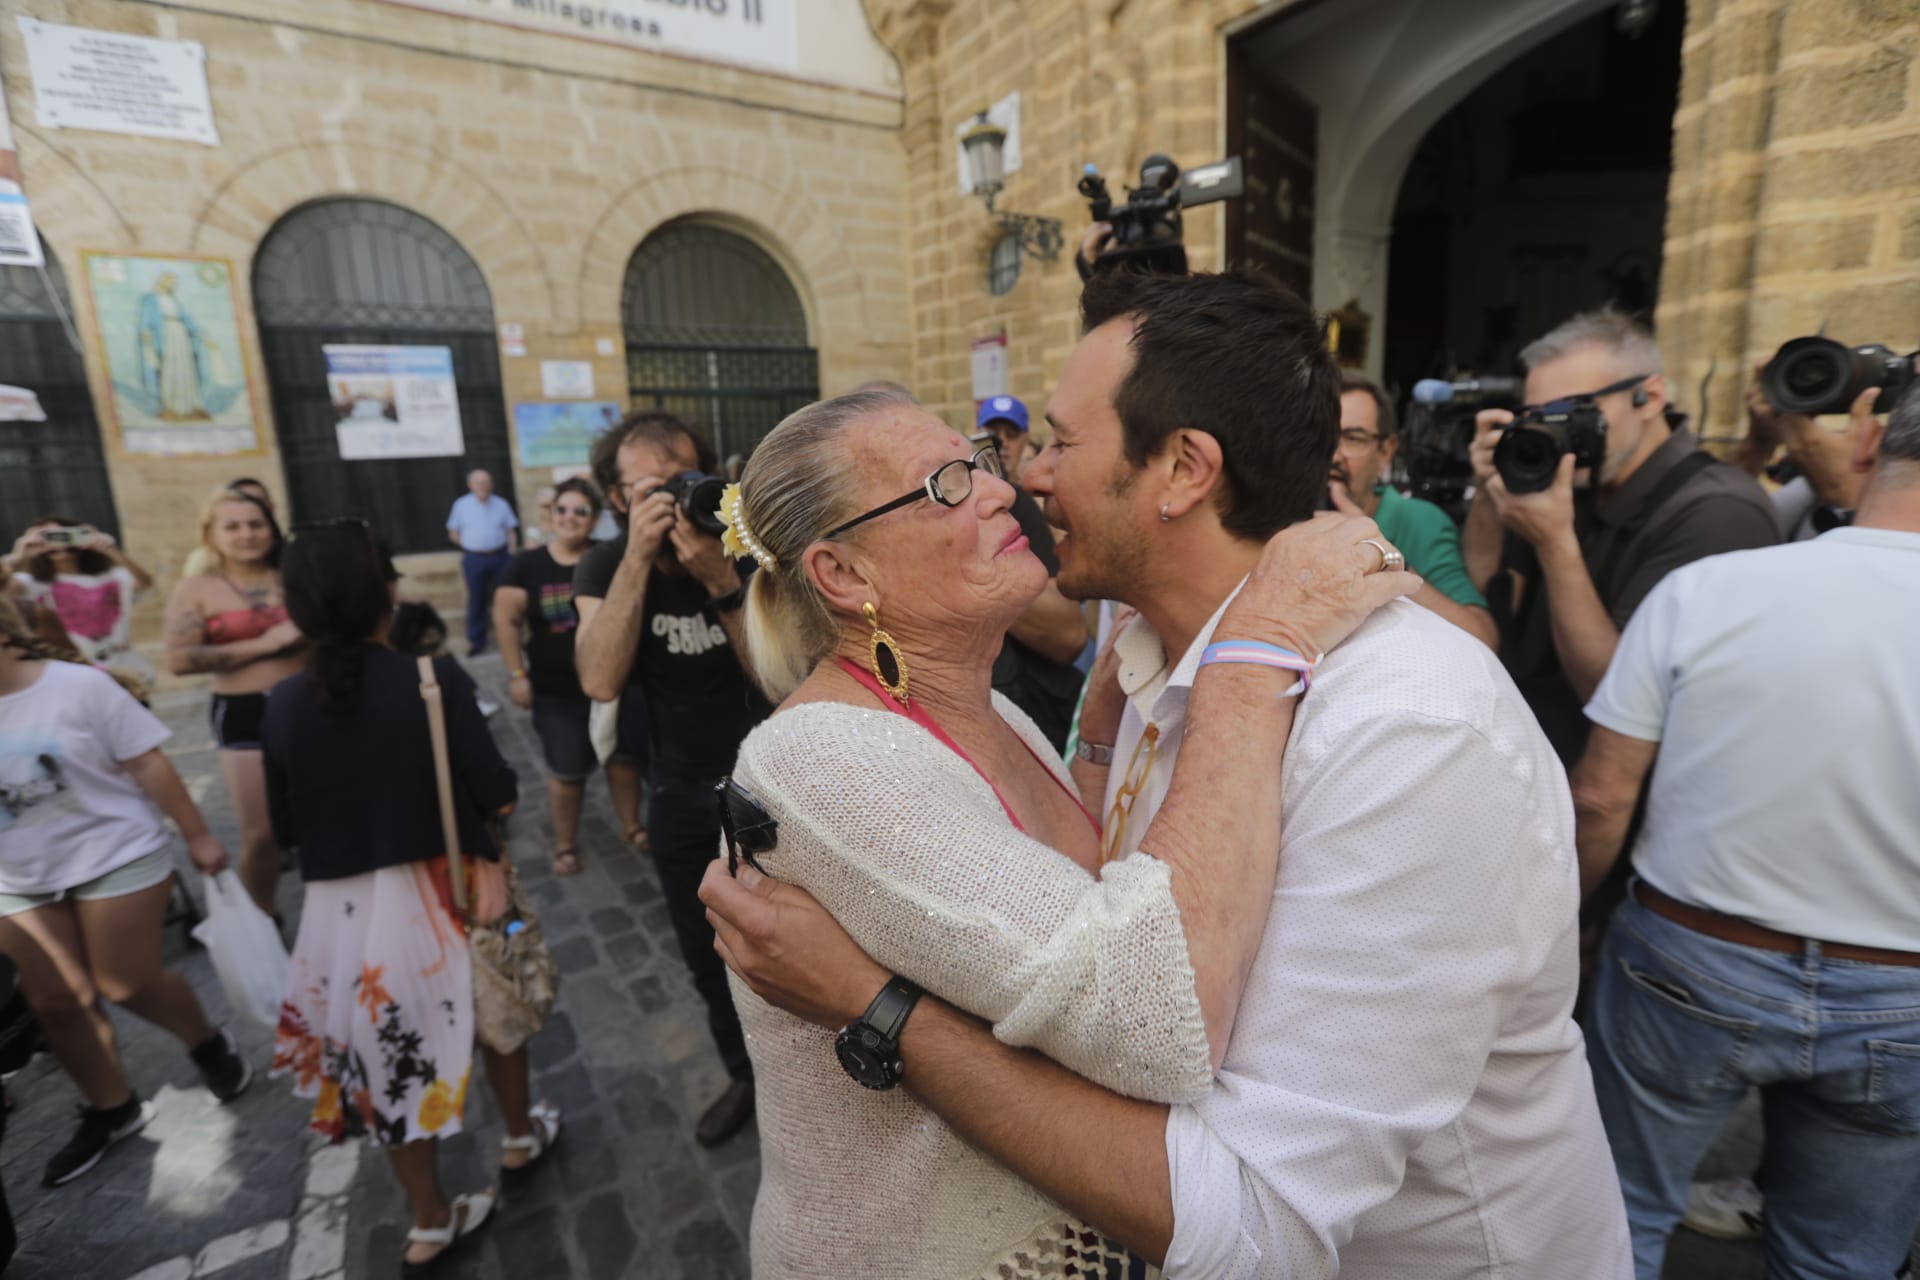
908 847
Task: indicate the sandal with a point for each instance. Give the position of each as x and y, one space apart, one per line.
470 1213
566 862
546 1132
637 837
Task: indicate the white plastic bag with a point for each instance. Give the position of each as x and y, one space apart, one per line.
246 950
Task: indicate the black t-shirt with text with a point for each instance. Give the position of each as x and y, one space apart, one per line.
551 620
700 704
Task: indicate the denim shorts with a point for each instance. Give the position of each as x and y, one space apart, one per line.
144 872
565 741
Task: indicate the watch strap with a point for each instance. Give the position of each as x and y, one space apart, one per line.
730 601
887 1015
1094 752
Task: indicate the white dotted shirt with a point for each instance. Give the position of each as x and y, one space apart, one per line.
1405 1093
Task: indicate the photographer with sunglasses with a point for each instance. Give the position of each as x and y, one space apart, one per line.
1562 574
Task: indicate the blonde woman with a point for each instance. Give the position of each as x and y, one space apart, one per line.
230 622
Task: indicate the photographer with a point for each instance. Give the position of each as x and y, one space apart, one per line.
83 576
1564 574
660 621
1770 940
1821 489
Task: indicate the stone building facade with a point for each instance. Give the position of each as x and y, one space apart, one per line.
1792 194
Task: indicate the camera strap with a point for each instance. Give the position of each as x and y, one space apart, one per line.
1623 535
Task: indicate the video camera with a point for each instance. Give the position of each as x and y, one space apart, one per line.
698 494
1147 233
1813 376
1438 431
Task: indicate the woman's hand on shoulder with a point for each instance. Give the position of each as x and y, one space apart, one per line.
1315 583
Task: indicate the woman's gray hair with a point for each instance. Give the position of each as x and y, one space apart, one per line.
798 485
1608 327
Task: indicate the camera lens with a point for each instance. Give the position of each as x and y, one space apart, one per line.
702 503
1527 457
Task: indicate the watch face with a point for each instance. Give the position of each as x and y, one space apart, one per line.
860 1053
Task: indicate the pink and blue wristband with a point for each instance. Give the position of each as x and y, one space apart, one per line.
1258 653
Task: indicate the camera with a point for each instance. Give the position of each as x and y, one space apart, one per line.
1813 376
1530 449
698 494
1146 229
1436 435
63 536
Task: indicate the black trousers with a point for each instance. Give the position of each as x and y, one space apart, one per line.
683 826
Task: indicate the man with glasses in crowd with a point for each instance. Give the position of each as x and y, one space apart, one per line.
1424 533
1565 574
1405 1091
660 615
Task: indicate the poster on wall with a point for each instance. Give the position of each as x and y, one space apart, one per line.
989 368
559 435
117 83
394 402
171 347
566 379
19 243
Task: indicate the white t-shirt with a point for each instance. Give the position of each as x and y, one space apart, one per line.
95 608
1782 688
68 812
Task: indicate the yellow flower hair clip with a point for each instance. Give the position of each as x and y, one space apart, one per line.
737 538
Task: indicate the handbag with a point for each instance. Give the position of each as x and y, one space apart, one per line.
514 977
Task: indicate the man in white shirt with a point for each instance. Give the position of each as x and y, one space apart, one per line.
1772 938
485 529
1404 1092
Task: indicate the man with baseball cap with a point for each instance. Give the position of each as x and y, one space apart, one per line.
1005 419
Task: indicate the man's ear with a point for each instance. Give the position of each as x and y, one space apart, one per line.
1195 464
1866 445
1389 446
1655 404
837 574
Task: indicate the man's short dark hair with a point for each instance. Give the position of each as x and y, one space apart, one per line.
1389 423
1238 356
654 425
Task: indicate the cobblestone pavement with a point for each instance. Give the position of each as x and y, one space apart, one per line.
245 1193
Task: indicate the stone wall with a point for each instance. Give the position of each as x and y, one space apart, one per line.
548 159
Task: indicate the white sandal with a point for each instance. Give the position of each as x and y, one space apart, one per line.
546 1131
470 1213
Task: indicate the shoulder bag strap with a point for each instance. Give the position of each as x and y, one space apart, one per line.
443 780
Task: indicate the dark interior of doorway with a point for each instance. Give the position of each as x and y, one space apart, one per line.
1541 194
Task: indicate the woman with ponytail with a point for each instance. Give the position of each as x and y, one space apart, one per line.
230 622
84 880
378 1024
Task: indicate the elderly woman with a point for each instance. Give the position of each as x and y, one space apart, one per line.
933 820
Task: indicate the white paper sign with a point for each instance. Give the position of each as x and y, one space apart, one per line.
989 367
1006 114
566 379
394 402
117 83
760 33
20 404
19 243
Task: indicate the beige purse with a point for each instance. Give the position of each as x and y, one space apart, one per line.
514 977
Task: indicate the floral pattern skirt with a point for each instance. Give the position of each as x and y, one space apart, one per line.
377 1026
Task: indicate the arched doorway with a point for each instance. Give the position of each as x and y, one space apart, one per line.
716 333
362 272
54 467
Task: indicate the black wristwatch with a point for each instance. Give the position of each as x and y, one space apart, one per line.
869 1047
730 601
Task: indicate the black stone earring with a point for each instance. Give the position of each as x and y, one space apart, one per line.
883 654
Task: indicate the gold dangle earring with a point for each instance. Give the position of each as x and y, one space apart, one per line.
884 656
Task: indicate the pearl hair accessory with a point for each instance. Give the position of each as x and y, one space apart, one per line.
737 538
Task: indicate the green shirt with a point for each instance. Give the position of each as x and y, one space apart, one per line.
1431 544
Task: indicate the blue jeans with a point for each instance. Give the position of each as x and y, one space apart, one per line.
1684 1024
483 571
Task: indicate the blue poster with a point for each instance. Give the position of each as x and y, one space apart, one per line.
559 435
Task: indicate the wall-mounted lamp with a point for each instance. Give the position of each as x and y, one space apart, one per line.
985 145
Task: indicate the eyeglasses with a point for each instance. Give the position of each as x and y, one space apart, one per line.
1357 438
748 828
950 485
582 512
1113 836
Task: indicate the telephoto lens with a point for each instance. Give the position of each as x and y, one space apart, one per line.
1813 376
698 494
1527 455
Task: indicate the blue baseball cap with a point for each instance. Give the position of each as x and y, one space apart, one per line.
1002 409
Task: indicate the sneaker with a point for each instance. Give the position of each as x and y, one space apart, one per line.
227 1073
731 1112
98 1131
1730 1209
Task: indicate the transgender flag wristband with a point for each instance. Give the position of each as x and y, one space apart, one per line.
1258 653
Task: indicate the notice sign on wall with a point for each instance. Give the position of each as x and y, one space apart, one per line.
394 402
19 242
115 83
755 33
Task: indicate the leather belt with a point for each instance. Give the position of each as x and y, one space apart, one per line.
1747 934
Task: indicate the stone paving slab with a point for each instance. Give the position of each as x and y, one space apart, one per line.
246 1193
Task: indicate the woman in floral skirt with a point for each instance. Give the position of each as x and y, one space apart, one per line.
378 1024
